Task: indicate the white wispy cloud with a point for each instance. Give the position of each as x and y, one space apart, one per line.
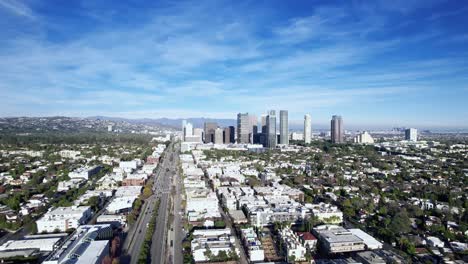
218 66
18 8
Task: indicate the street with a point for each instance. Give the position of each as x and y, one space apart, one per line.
136 233
158 247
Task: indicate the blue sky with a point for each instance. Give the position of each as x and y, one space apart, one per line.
377 63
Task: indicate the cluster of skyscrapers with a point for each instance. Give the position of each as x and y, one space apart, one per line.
248 132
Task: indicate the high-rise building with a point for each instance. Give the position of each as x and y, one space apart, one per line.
307 128
109 128
264 124
363 138
184 122
253 125
210 128
244 128
411 134
227 135
284 127
271 129
188 130
218 136
232 134
199 133
337 129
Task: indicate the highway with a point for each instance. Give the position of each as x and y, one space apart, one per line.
136 234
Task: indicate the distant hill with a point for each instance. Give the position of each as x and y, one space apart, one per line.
169 122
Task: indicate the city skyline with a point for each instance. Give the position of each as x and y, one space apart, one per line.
134 61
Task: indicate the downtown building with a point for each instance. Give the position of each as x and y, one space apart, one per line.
411 134
209 130
307 128
271 129
284 128
337 129
243 128
228 135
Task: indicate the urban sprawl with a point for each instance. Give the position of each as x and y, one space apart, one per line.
254 192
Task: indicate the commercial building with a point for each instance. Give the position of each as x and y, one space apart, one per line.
188 131
336 239
363 138
209 130
370 242
199 133
307 128
326 212
411 134
84 172
243 128
44 243
135 179
218 137
271 129
337 129
284 127
253 126
63 218
370 257
297 136
88 244
214 240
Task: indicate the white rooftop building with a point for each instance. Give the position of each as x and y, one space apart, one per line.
254 246
89 244
63 218
215 240
336 239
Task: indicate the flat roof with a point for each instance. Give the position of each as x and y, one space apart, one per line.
237 214
43 244
370 241
338 234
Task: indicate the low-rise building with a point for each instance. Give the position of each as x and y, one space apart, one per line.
295 251
327 213
88 244
214 240
63 218
252 244
335 239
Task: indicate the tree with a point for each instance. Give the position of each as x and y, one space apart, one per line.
401 223
94 203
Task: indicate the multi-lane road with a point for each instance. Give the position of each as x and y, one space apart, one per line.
136 234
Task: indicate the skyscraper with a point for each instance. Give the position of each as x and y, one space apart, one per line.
218 136
284 127
228 135
271 129
337 129
253 125
232 134
188 130
307 128
184 122
199 133
210 128
244 128
411 134
264 124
